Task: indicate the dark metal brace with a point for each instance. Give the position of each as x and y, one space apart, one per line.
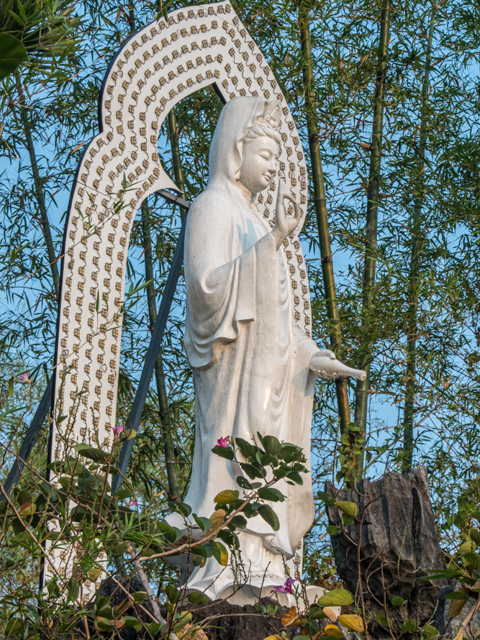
29 440
155 345
46 402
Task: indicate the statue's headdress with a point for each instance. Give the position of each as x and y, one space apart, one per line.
242 120
266 124
271 115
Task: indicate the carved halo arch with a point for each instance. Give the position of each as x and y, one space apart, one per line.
155 69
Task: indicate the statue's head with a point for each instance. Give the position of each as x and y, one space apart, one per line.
246 143
260 150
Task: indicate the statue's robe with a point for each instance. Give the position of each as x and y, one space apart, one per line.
250 360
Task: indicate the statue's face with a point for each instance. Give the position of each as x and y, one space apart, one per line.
259 163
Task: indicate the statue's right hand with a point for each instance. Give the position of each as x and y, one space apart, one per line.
330 368
285 224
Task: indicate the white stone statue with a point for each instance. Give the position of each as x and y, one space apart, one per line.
254 369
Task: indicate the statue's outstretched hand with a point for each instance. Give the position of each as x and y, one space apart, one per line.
285 224
326 366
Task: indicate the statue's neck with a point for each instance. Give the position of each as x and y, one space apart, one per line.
246 193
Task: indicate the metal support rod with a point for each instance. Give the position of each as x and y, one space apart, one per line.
30 439
164 413
155 345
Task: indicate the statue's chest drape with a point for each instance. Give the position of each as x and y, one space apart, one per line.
246 320
250 362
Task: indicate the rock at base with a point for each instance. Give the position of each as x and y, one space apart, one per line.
394 541
235 622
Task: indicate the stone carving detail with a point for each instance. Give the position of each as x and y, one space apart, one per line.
155 69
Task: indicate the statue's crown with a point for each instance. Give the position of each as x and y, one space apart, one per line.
272 114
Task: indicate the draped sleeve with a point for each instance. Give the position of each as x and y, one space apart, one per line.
224 263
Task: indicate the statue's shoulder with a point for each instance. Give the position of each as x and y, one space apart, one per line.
211 203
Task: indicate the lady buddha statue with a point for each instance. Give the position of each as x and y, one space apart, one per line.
254 368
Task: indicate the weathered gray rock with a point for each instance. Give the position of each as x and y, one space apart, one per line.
451 627
392 543
235 622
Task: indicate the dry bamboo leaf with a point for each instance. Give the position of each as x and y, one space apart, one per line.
456 607
352 622
333 630
330 613
289 616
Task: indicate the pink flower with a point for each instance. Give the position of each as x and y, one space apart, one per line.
23 377
284 588
119 429
133 503
223 442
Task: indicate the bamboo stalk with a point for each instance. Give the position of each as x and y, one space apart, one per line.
322 218
177 164
363 387
466 620
417 245
170 458
39 191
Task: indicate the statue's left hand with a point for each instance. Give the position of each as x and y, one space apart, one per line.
326 366
284 224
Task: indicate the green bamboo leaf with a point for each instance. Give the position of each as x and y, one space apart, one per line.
225 497
196 597
456 595
14 626
350 508
336 598
269 515
442 574
12 54
73 589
